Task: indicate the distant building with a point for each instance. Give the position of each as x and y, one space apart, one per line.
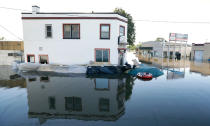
11 51
200 52
164 49
74 38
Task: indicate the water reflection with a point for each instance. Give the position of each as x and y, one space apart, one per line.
55 99
52 97
176 68
200 67
10 79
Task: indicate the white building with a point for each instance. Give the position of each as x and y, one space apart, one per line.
11 51
74 38
164 49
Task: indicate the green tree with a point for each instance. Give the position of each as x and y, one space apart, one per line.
132 47
2 38
160 39
131 32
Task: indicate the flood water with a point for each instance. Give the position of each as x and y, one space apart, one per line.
180 97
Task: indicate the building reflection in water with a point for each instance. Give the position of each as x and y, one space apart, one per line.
77 97
200 67
10 79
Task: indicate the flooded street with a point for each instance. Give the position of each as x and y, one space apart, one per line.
180 97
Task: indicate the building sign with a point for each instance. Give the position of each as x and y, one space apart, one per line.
178 37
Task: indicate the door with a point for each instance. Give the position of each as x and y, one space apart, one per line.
120 59
198 56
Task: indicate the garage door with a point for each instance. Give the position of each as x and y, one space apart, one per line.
198 55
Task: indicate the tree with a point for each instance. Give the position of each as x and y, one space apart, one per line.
131 32
132 47
160 39
2 38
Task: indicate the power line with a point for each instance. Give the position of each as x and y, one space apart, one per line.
155 21
14 9
162 21
11 32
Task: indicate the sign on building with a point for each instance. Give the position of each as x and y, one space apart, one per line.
178 37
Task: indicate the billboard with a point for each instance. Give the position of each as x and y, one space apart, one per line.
178 37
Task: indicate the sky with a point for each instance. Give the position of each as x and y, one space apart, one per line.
142 11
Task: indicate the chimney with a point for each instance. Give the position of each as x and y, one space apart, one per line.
35 9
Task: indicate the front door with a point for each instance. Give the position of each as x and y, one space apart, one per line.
121 59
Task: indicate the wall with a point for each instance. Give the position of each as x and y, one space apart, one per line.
11 45
201 47
8 60
70 51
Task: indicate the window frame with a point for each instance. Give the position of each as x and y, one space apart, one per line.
73 104
46 30
71 32
30 55
102 89
100 104
123 30
102 53
109 31
44 55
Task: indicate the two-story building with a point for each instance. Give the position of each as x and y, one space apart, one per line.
74 38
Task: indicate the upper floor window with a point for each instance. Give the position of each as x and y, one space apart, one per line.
48 31
104 105
105 31
71 31
122 31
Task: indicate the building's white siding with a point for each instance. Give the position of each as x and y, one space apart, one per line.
8 60
70 51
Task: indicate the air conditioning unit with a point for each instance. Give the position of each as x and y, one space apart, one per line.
122 40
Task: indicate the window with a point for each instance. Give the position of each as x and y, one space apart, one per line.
30 58
71 31
51 101
48 31
102 55
105 31
101 84
10 54
73 103
44 79
31 79
104 105
122 31
14 54
43 59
